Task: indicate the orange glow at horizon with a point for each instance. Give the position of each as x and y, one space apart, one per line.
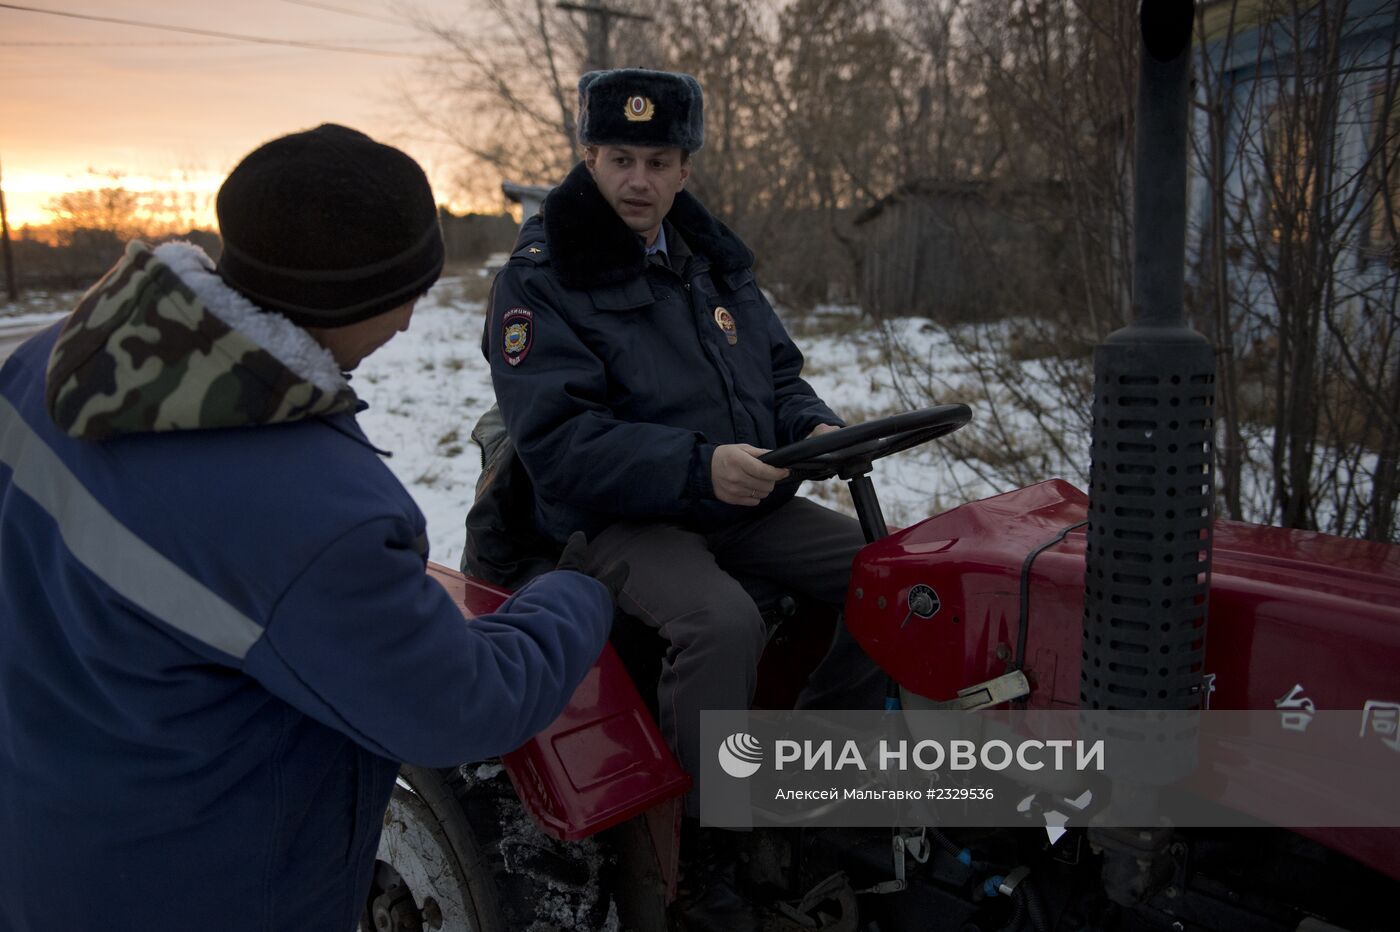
28 198
28 195
170 116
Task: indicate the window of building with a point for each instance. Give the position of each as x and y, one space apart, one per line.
1384 154
1289 172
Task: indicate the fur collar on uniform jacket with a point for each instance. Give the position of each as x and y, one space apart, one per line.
162 344
590 246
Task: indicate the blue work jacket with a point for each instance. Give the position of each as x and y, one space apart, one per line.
216 646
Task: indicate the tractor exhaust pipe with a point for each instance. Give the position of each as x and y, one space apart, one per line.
1148 560
1147 563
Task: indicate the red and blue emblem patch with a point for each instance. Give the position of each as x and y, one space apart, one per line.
517 329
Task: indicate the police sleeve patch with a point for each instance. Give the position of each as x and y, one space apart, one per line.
517 329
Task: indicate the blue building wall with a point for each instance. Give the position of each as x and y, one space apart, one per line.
1252 71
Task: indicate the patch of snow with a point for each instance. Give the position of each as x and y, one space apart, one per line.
18 321
426 389
612 923
566 904
39 305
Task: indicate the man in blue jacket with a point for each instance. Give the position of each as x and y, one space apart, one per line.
641 373
217 636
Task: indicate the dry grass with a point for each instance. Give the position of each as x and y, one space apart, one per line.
821 323
472 287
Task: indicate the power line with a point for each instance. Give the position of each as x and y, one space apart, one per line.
166 43
348 12
189 30
113 45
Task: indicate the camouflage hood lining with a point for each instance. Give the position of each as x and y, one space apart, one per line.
162 344
284 340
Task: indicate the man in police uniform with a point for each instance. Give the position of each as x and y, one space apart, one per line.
641 373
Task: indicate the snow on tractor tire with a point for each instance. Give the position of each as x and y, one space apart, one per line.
459 853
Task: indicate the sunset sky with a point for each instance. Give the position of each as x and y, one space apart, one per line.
163 108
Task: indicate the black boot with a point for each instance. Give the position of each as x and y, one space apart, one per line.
709 898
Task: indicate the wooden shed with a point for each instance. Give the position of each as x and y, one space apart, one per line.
956 250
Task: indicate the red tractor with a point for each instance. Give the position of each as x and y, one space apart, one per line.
1045 597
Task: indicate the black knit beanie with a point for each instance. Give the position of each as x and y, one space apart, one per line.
328 227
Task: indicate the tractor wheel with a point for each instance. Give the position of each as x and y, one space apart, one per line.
540 883
429 872
460 853
638 889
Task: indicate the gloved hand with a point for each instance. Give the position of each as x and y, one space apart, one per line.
575 557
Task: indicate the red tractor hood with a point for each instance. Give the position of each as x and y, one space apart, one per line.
1287 607
1300 622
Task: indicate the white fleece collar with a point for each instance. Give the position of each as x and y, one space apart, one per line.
288 343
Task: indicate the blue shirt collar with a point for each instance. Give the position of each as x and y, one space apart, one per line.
660 245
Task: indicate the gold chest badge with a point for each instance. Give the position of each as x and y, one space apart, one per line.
725 321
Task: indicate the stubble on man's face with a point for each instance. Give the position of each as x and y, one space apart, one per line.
352 344
639 183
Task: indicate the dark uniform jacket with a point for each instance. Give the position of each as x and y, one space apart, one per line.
618 375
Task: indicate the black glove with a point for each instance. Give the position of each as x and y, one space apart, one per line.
575 557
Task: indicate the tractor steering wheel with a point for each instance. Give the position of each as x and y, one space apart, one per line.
849 452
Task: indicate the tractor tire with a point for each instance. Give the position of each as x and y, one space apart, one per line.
460 842
638 889
541 884
429 871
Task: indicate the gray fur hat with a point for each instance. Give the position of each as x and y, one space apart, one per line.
638 107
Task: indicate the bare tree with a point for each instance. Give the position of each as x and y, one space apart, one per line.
502 88
1053 85
1294 275
112 211
730 47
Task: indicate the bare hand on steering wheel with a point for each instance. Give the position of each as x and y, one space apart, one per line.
848 452
739 477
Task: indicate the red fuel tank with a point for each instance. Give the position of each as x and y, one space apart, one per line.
602 761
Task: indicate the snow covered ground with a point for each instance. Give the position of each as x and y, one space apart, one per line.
427 388
31 313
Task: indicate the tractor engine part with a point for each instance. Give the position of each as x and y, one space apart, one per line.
1137 863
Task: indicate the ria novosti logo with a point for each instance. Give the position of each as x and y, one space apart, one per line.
740 755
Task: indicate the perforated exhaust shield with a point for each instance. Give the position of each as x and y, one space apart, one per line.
1147 567
1147 564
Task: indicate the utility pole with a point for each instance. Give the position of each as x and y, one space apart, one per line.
600 20
5 237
